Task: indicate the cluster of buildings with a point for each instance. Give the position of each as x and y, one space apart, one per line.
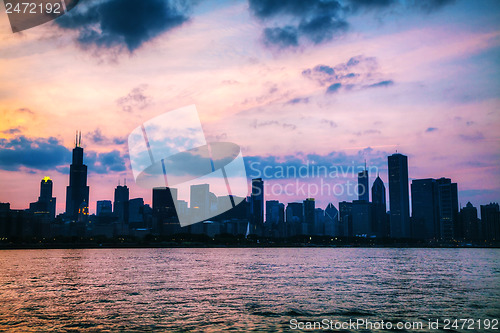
435 214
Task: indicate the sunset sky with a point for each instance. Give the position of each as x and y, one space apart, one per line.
291 82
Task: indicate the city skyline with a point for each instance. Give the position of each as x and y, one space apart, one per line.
422 80
435 216
402 194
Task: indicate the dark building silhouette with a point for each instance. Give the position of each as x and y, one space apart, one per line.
490 221
273 213
257 210
275 218
136 213
308 223
104 207
46 204
345 213
319 222
121 204
425 208
164 214
380 222
361 212
363 189
332 220
294 218
77 193
448 208
470 227
399 201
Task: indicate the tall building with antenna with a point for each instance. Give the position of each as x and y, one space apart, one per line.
77 193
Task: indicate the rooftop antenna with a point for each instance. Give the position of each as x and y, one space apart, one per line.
118 182
365 164
124 181
80 139
76 139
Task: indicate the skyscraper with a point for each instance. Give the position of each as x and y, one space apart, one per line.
120 204
345 216
363 189
399 200
77 193
469 223
448 208
425 208
490 221
294 218
361 212
46 204
257 217
275 218
331 220
164 214
380 224
308 225
104 207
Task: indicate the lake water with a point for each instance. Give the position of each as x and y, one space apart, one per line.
250 289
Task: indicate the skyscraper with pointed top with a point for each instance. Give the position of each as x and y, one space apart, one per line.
380 221
77 193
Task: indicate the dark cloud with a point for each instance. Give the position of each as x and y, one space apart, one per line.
269 8
431 129
38 153
281 37
385 83
136 99
15 130
112 161
100 139
356 5
298 100
319 21
324 74
123 23
45 154
359 72
429 6
322 28
333 88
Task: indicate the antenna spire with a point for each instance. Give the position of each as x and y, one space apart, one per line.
124 181
80 139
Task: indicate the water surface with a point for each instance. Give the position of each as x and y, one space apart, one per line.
250 289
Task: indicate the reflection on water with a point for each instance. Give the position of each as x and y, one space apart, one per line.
241 289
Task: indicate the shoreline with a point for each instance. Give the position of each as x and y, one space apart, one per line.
257 246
